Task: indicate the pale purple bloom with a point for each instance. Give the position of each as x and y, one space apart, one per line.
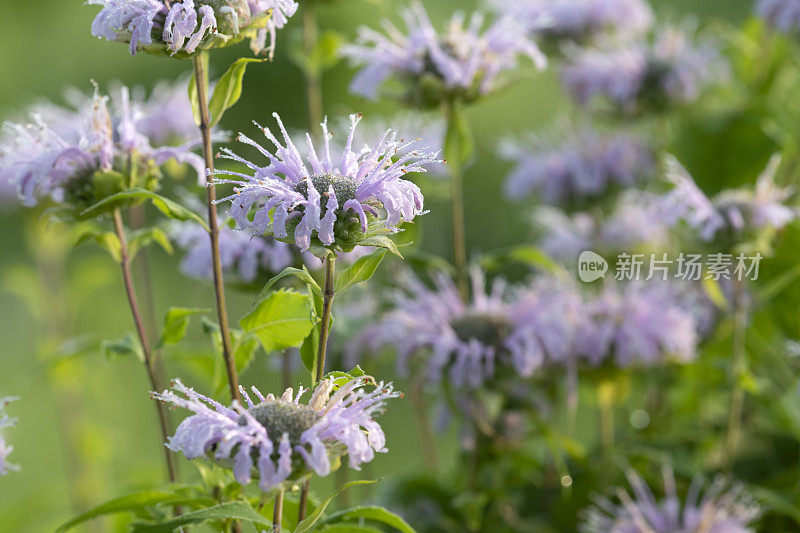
465 339
723 508
464 58
585 166
5 449
57 153
360 186
578 20
165 116
279 438
783 15
241 254
639 75
185 26
734 210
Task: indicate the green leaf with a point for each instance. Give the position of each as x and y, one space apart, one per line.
314 517
229 88
381 241
137 502
106 240
127 345
372 513
244 350
193 98
459 144
715 293
360 271
342 378
343 527
175 323
281 320
309 350
302 274
224 511
322 57
170 208
146 236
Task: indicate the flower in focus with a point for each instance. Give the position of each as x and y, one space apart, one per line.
183 27
642 75
585 166
5 422
77 157
338 200
464 60
735 210
783 15
240 253
281 438
578 20
722 509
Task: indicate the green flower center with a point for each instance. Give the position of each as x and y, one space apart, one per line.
285 417
490 330
344 187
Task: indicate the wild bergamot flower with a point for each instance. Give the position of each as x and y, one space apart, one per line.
334 202
783 15
5 422
724 508
281 438
180 28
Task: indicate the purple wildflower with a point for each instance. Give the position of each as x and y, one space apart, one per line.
466 339
722 509
783 15
281 438
584 166
240 253
182 26
5 422
578 20
290 198
632 77
736 210
464 59
57 158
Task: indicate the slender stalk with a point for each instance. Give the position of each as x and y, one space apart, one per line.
201 79
324 332
424 431
739 364
456 166
277 513
313 77
133 302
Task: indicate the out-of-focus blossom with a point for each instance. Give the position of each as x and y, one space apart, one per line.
634 225
6 422
736 210
722 508
63 152
240 253
578 20
165 27
281 438
585 166
644 75
783 15
464 59
334 201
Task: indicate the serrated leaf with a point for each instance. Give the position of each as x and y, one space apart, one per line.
146 236
137 502
371 513
381 241
126 346
176 321
360 271
224 511
314 517
229 88
106 240
281 320
168 207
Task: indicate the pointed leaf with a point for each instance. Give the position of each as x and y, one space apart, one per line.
381 241
224 511
360 271
175 323
170 208
314 517
106 240
229 88
146 236
282 320
372 513
127 345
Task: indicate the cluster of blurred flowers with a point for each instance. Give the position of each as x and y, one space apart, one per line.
5 422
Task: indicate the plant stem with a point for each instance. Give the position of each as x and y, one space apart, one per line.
739 364
313 77
133 302
201 81
277 513
426 438
456 166
324 332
